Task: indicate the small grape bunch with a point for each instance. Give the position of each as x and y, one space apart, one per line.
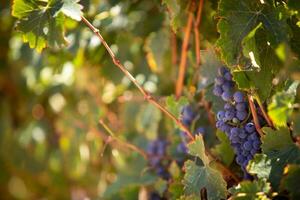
236 120
188 115
157 152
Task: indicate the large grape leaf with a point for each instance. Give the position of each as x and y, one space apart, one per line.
281 107
262 65
197 177
40 22
248 190
280 149
239 18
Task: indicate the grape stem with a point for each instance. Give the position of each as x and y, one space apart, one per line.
254 115
197 33
146 95
113 137
266 116
184 51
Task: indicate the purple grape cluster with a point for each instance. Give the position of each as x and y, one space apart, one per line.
157 152
235 120
188 115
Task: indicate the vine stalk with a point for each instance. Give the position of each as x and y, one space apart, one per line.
254 115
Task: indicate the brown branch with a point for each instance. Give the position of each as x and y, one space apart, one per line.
196 32
183 58
265 114
128 145
174 47
254 115
146 95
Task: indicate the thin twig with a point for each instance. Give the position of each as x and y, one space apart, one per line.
146 95
174 47
184 52
266 116
128 145
254 115
196 32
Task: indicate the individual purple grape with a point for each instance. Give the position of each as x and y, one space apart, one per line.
253 152
235 131
200 130
238 97
226 96
228 106
222 71
227 86
241 106
187 115
241 115
229 115
228 76
182 148
219 80
219 124
242 134
217 90
240 159
256 144
250 127
247 145
220 115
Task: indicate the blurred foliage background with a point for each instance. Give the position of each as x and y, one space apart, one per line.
51 144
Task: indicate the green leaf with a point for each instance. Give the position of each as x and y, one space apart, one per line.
275 139
72 9
155 51
239 18
175 106
40 22
189 197
279 147
161 186
176 12
147 121
209 68
290 182
197 177
175 189
224 149
248 190
281 107
197 148
262 65
260 165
